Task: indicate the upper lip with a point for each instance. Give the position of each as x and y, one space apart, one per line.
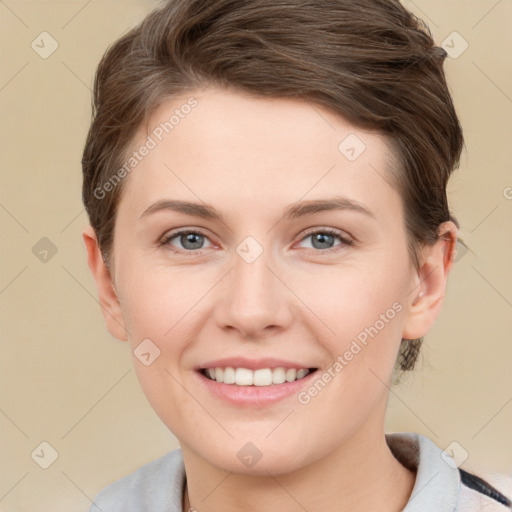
252 364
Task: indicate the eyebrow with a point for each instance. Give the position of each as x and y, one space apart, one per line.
295 210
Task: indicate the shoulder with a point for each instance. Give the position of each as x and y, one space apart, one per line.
487 492
156 486
444 487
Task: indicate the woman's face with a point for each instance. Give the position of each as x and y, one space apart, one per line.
265 280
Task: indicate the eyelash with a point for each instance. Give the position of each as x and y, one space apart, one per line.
345 241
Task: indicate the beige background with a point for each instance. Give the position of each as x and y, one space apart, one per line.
65 381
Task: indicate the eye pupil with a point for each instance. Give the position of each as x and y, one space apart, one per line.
322 238
193 239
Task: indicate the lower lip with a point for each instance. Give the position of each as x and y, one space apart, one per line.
255 396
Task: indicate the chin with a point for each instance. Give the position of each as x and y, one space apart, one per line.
259 458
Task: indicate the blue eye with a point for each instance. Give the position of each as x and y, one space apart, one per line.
189 240
193 241
323 239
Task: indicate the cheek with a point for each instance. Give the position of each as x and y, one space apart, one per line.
159 306
349 299
158 301
364 307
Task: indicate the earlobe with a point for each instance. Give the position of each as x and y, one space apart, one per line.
426 298
108 299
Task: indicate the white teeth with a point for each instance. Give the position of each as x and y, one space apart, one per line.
229 375
263 377
301 373
291 375
243 377
260 377
278 375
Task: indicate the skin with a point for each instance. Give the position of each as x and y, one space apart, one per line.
250 158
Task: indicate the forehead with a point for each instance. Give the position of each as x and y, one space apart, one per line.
235 149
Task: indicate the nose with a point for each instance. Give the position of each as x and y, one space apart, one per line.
253 298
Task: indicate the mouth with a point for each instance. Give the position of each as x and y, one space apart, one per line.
254 383
261 377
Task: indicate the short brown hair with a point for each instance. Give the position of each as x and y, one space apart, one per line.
371 61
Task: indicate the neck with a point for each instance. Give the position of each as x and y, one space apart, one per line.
359 476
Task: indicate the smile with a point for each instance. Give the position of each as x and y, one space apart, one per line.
259 377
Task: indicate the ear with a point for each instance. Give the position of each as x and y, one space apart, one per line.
426 299
108 299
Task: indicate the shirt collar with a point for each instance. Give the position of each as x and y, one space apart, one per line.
437 484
